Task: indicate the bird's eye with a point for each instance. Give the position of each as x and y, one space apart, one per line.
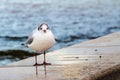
47 28
39 28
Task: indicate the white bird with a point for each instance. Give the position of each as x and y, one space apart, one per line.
40 40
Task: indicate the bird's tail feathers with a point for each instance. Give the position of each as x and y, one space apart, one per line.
23 44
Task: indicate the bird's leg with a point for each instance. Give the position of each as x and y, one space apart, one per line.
44 62
36 64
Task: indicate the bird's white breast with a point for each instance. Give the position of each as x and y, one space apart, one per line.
42 41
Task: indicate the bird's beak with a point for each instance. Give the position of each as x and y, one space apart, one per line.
44 31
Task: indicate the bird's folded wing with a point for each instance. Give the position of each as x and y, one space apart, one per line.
29 41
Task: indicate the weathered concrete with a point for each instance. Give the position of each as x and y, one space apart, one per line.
90 60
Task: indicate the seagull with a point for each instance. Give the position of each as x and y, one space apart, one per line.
40 40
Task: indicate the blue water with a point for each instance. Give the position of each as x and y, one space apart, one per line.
72 21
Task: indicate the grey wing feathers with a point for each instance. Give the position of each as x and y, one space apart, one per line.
30 38
29 41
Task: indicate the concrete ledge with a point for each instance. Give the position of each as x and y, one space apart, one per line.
105 74
112 73
91 60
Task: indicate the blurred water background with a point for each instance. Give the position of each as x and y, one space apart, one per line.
72 21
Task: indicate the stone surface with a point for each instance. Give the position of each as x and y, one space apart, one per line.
89 60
